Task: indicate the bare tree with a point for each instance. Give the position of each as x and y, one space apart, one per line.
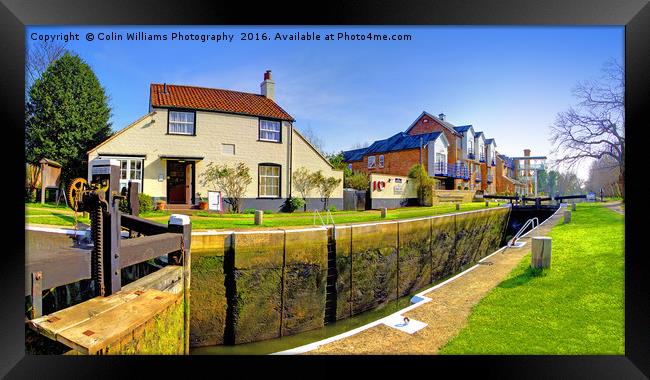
304 182
595 126
231 180
313 138
603 175
38 59
360 145
568 183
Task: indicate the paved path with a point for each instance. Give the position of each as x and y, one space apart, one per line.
446 314
616 206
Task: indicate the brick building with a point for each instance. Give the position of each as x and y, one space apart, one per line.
468 162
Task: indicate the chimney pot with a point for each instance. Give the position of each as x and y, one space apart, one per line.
442 116
267 75
526 152
164 88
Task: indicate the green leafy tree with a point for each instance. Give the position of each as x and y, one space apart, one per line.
232 181
67 114
325 186
337 161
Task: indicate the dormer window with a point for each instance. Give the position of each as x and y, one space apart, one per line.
270 130
181 123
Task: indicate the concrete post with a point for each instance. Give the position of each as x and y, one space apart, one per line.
384 211
541 252
457 206
42 184
258 217
573 206
567 216
487 203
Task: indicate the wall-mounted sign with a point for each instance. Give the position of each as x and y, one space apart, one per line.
398 189
378 185
398 180
161 177
214 201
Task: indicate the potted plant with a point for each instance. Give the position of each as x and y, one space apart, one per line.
161 205
203 202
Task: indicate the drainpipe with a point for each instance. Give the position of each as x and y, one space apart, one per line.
290 142
420 150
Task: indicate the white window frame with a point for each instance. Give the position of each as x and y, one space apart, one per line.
380 164
266 176
129 161
264 129
372 162
185 124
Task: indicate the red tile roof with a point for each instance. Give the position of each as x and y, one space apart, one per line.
214 99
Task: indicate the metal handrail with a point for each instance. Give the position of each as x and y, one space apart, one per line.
529 222
328 218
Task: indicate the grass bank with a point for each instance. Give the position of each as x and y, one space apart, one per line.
575 307
202 220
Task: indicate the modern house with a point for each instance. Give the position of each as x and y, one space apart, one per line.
456 156
517 175
188 128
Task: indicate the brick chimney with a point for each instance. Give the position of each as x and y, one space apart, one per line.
267 87
527 152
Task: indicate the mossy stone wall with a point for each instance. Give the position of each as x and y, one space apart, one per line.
257 302
343 241
414 267
305 280
208 303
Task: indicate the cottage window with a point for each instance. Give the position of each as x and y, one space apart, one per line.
381 161
270 130
269 181
130 170
371 162
181 123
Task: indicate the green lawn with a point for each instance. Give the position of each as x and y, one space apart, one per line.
204 220
575 307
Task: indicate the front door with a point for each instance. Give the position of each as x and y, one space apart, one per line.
177 184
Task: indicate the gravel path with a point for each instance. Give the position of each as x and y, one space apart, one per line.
445 315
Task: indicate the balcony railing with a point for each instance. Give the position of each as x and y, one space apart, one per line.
444 169
493 162
478 177
471 155
482 157
461 171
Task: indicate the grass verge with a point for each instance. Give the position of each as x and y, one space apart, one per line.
575 307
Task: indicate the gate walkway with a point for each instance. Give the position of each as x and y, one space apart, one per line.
445 315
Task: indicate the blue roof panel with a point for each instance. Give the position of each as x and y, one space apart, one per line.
354 155
462 128
399 141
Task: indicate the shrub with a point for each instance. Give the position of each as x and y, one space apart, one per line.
460 187
294 203
249 211
357 180
269 212
332 208
146 202
466 188
424 184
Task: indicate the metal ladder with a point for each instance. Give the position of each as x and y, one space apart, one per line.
533 222
328 218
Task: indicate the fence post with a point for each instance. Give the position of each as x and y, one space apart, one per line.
181 224
37 295
573 206
541 252
259 219
567 216
487 203
457 206
384 211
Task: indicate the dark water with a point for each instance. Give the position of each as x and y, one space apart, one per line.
280 344
520 214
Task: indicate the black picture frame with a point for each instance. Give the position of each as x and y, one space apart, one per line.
635 15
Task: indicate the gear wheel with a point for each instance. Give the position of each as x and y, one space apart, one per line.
77 186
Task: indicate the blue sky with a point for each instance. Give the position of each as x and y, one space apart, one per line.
507 81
